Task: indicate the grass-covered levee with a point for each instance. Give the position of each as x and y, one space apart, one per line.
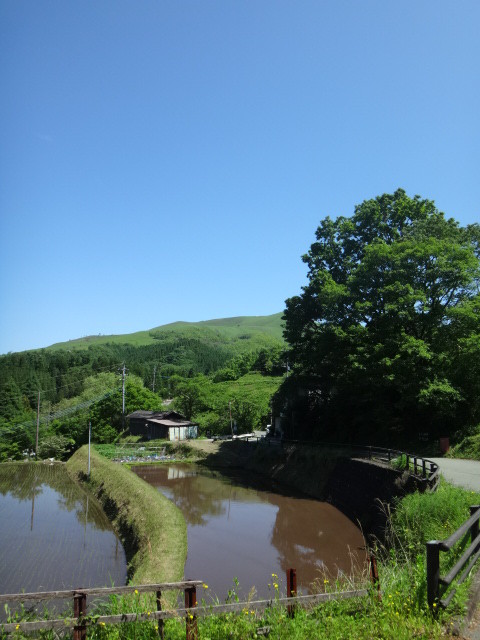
152 529
156 532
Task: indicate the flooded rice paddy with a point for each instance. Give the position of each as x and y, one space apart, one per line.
52 535
242 528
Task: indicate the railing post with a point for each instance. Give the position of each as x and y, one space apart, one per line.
79 611
161 623
474 529
424 468
291 590
407 461
415 466
433 573
191 618
374 575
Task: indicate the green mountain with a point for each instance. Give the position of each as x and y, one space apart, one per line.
246 328
180 348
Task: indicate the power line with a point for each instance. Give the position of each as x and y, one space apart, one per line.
69 384
58 414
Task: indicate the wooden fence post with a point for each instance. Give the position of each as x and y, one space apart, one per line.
191 618
80 611
374 575
161 623
291 590
433 573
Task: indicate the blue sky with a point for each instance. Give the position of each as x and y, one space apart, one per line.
171 160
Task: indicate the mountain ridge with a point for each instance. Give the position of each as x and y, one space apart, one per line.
229 328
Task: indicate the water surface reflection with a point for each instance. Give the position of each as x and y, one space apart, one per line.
52 535
243 528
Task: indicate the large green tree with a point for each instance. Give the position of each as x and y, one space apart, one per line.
384 338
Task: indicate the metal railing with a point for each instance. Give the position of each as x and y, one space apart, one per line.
438 585
81 620
424 470
190 613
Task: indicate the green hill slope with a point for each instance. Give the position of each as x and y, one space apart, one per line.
224 329
180 348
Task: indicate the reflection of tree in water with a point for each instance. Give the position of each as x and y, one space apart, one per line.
200 496
21 480
315 538
26 481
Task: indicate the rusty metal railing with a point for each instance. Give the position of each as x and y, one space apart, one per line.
438 585
424 470
81 621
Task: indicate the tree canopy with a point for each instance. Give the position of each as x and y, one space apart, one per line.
385 336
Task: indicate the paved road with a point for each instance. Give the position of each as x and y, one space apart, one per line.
464 473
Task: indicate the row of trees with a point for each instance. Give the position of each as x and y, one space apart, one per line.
385 336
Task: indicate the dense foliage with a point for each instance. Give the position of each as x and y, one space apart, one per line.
244 387
385 336
243 404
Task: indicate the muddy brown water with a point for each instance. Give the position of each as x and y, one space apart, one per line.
242 527
52 535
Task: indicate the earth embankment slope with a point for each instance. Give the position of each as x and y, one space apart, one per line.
152 529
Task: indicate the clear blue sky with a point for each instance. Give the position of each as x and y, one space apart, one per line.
171 160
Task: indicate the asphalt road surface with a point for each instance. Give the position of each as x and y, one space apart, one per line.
463 473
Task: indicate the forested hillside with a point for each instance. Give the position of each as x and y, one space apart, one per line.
81 380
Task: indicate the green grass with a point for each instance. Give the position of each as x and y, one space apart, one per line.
152 529
420 517
396 617
469 447
241 330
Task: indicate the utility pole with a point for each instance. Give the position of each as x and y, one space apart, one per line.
123 396
89 439
154 372
38 425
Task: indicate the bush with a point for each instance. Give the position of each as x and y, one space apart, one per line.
55 446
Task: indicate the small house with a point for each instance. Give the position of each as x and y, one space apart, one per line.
161 425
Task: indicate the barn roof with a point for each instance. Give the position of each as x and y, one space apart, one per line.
157 415
170 423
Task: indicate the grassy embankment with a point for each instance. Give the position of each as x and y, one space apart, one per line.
152 529
469 447
402 613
